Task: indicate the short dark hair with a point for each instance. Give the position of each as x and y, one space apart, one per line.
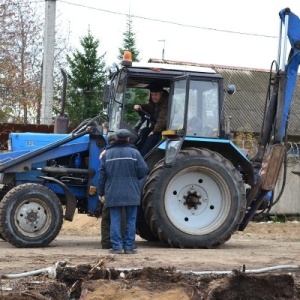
111 137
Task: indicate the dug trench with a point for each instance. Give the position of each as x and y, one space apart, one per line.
98 282
259 263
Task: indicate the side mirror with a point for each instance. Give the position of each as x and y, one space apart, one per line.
231 89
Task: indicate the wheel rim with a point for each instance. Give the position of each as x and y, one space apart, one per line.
32 218
197 200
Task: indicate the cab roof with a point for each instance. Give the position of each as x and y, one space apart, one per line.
173 67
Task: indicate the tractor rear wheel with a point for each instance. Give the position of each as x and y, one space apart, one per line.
31 215
197 203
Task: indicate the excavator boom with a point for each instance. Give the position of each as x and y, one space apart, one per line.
272 150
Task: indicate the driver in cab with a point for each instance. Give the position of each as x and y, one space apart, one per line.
157 108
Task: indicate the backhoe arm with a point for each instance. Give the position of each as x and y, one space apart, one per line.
287 86
271 149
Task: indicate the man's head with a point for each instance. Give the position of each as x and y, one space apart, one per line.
111 137
123 134
156 91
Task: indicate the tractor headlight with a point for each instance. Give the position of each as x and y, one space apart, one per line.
172 149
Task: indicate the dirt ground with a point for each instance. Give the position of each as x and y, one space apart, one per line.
75 267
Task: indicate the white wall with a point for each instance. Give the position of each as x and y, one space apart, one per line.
289 203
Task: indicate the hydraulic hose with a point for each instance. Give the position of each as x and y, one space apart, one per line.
250 271
51 271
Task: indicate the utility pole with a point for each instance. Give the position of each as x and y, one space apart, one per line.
48 62
163 50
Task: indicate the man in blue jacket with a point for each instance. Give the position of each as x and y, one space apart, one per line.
121 169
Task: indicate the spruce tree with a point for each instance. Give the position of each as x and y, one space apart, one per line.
129 42
86 80
133 96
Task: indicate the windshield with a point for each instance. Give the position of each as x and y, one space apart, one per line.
202 108
122 101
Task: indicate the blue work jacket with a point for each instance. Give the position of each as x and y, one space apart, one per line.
121 169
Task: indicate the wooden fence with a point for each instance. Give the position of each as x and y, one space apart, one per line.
7 128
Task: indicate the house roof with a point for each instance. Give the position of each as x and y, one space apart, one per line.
246 107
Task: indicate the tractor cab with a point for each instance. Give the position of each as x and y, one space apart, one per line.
195 100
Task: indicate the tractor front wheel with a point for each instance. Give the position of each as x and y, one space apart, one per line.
31 215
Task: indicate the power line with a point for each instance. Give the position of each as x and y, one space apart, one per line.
170 22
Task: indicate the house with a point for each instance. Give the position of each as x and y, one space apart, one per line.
246 107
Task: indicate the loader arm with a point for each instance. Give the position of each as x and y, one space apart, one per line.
26 156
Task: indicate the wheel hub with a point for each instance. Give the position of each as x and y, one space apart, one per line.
192 199
31 217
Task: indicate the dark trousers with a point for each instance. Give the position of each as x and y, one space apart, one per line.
105 228
143 136
149 143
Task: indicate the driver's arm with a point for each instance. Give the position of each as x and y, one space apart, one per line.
147 107
161 123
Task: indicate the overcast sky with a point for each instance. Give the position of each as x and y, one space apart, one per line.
232 32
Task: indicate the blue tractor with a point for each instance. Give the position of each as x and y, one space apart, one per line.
201 187
45 178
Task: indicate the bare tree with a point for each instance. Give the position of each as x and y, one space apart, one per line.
21 55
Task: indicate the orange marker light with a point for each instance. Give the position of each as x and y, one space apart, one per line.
127 58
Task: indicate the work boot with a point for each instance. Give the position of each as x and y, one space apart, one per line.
115 251
130 251
106 246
